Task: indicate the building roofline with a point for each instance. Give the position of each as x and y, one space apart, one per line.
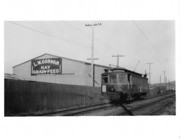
59 57
28 60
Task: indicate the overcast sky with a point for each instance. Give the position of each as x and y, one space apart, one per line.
140 41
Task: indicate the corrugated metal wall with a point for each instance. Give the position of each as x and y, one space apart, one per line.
29 97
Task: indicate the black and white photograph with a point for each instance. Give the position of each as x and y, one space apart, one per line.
89 68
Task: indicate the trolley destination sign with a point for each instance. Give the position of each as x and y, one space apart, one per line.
46 66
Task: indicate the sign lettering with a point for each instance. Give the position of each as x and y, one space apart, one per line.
46 66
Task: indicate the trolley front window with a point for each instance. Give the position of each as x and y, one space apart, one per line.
122 78
113 78
104 79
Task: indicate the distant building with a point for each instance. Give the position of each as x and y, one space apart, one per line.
165 86
56 69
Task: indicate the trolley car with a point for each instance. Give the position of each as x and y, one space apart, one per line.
123 84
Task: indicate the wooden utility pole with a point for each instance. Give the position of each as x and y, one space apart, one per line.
92 54
164 76
149 72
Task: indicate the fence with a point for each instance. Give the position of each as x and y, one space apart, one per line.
32 98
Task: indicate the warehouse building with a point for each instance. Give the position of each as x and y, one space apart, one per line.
56 69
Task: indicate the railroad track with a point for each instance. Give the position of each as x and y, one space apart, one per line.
154 112
90 110
78 111
148 108
119 106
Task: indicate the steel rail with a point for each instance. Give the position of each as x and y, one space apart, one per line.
67 112
160 108
133 109
86 109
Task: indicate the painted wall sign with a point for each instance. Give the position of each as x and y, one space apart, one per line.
46 66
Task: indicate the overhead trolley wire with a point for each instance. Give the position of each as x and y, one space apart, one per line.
100 41
84 32
77 28
40 27
147 38
49 34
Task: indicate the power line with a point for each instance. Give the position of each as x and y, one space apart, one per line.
48 34
95 38
40 27
144 34
76 28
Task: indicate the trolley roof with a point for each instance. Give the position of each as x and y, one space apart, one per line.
122 69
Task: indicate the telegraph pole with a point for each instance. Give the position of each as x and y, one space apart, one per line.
160 84
118 56
149 72
168 86
164 76
92 54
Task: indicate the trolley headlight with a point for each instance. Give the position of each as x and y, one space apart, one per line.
112 89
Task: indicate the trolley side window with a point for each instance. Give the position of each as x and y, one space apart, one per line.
113 78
